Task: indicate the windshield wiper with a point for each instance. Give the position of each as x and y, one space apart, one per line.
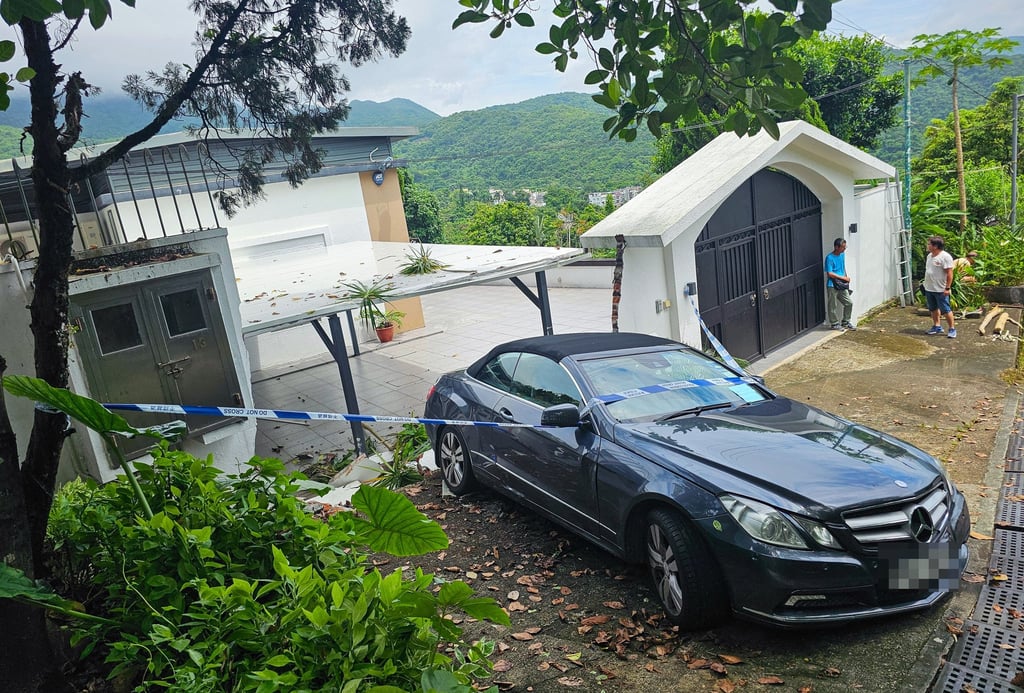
696 410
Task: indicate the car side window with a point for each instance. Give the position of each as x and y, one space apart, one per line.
540 380
498 371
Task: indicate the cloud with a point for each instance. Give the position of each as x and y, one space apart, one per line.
464 69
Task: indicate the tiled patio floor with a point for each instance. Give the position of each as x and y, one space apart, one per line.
394 379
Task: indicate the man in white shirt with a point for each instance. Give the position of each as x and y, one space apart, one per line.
938 280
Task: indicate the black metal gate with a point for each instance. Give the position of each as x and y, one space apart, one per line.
759 265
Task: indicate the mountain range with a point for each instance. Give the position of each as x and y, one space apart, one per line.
545 141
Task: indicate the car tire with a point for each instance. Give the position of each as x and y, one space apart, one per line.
686 577
453 457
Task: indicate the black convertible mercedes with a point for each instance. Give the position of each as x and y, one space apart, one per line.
737 498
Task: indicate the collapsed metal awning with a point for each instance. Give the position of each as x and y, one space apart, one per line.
282 291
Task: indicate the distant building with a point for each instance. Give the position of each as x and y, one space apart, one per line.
537 198
619 197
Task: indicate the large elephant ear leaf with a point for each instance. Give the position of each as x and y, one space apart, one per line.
90 412
394 525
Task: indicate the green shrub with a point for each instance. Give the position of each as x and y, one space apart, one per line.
233 586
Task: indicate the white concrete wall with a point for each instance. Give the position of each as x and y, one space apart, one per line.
873 248
330 207
644 279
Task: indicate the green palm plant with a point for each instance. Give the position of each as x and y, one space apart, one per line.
373 299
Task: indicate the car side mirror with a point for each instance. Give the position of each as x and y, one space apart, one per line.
759 379
561 416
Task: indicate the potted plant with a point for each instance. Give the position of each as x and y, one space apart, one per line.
385 323
374 297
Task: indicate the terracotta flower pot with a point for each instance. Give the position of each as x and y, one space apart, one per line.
386 334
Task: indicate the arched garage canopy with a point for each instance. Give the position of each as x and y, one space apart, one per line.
661 225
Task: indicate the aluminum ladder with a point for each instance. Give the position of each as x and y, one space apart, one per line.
901 245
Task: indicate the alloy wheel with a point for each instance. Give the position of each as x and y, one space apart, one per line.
664 569
453 459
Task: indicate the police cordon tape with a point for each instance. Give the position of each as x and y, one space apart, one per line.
290 415
719 348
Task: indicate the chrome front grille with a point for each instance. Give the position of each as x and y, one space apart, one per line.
894 522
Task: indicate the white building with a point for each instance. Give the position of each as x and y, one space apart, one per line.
745 223
155 307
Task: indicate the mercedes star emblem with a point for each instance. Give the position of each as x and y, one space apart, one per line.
921 525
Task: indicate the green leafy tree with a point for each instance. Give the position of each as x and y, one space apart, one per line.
273 66
947 54
849 98
653 61
508 223
986 135
844 76
560 197
422 209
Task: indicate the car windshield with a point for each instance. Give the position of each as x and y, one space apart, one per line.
622 374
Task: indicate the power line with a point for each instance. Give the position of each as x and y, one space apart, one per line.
933 62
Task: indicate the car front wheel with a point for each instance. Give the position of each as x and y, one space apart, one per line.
453 458
686 576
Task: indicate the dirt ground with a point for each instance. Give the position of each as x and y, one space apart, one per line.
583 620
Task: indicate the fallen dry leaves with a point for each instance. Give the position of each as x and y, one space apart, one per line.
982 537
771 680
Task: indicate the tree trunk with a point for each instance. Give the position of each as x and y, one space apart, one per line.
958 139
25 656
26 659
49 307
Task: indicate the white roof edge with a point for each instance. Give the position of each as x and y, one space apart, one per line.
719 155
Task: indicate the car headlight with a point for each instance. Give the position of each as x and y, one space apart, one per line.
764 522
819 533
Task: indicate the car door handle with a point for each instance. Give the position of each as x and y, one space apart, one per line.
506 414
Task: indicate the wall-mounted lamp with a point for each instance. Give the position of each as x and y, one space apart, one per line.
853 228
378 177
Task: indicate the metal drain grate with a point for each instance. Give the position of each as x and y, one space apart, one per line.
1010 511
990 650
1014 452
957 679
1012 568
1009 543
1000 605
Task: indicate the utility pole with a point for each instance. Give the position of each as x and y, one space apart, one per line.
906 145
1013 163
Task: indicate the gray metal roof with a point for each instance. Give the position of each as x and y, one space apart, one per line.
284 290
183 137
697 186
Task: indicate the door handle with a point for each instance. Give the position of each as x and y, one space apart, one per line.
753 300
506 414
766 296
183 359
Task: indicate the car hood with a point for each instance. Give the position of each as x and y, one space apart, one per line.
788 454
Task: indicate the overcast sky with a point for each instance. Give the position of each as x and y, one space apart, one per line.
448 71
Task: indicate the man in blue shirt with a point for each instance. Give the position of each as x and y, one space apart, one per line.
837 291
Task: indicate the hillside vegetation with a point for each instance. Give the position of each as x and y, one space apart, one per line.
393 113
550 140
933 100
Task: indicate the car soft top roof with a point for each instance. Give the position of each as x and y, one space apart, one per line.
558 346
